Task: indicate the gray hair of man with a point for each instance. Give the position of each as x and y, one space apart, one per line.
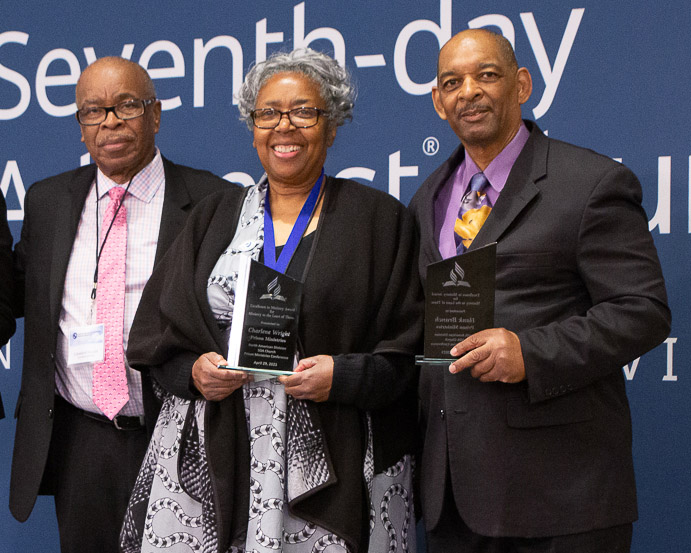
334 82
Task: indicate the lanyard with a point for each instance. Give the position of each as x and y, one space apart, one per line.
299 228
99 252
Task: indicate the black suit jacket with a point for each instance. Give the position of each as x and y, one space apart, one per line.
7 324
52 212
579 281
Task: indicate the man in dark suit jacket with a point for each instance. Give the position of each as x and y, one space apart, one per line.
527 435
7 324
65 445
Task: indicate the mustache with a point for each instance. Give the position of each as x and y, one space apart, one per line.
113 138
474 107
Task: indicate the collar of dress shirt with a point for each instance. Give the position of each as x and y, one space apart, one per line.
449 198
497 172
144 185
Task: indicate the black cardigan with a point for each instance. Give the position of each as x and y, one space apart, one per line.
361 297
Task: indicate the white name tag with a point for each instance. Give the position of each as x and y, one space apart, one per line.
86 344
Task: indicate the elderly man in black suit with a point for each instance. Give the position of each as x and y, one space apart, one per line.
7 324
527 435
89 242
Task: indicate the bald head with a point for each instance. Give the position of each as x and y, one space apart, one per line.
138 72
480 90
503 46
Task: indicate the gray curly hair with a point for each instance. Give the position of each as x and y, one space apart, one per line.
334 82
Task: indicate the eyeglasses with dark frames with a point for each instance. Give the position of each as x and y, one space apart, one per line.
129 109
302 118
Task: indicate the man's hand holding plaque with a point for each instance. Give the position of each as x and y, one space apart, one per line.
492 355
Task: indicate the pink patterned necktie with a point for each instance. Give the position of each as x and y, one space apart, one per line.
109 379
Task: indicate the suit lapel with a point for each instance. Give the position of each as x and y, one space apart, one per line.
175 202
68 212
429 245
520 188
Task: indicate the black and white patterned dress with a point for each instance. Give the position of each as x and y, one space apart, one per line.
173 487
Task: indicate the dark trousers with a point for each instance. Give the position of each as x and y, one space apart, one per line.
92 467
452 535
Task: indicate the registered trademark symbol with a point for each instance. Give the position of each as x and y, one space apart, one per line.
430 146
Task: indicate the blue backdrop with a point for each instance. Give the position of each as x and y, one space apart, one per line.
612 76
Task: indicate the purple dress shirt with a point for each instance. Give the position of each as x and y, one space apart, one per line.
449 198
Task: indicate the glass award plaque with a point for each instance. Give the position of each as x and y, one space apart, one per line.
264 330
459 301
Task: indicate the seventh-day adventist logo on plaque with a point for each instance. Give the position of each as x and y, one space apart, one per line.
459 300
456 276
263 332
273 291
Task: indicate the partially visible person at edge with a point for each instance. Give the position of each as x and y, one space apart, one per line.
527 435
81 428
7 323
303 462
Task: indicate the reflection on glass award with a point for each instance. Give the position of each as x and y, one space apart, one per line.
459 301
263 333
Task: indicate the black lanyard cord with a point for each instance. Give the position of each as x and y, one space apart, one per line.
98 217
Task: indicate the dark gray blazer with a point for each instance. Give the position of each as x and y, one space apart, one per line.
579 280
7 324
52 210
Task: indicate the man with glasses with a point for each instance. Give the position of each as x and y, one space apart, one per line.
89 242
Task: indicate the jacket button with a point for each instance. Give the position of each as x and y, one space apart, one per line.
442 414
50 413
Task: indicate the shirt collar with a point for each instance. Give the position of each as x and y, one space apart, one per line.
144 185
497 172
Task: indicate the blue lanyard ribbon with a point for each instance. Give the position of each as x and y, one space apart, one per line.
299 228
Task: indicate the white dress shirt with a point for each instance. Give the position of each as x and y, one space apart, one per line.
144 203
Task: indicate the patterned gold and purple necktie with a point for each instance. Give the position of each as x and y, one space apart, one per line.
475 207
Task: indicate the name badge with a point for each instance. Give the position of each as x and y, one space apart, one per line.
86 344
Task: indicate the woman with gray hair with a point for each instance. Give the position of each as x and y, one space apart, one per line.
318 459
335 87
